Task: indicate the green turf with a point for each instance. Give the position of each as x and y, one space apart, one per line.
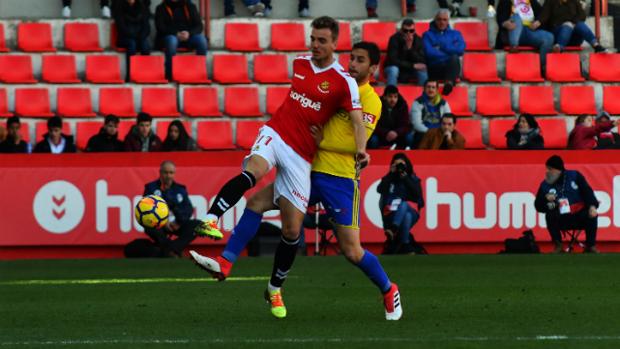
470 301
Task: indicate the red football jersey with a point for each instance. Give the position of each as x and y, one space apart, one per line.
316 94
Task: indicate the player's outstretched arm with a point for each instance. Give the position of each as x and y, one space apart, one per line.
359 131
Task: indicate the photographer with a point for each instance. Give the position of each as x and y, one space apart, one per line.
398 187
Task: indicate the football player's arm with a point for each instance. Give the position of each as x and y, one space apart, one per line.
342 145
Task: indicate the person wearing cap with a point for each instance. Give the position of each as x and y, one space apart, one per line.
607 140
405 56
14 142
107 138
54 141
568 202
586 133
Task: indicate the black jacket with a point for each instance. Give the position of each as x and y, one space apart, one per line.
102 142
176 197
8 146
397 119
575 188
534 140
133 142
132 21
399 55
504 12
44 146
171 18
408 188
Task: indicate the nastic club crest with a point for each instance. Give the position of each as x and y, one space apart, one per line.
324 87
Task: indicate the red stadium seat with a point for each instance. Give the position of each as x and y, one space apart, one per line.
344 59
472 131
41 130
4 104
380 90
160 101
459 101
103 69
271 69
493 101
554 133
86 129
421 27
241 102
32 102
201 101
378 32
117 100
344 37
124 127
564 67
215 135
288 37
230 69
241 37
190 69
35 37
577 100
611 99
480 67
275 98
162 128
475 34
410 93
3 47
605 67
536 100
523 67
497 132
74 102
16 69
59 69
25 130
82 37
247 132
147 70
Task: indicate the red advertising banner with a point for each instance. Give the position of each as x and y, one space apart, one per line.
471 196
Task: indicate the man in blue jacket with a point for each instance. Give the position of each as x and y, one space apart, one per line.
443 47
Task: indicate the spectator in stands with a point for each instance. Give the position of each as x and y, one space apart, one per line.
455 8
256 7
445 137
566 19
394 124
426 112
141 137
303 8
107 138
133 27
371 7
405 57
443 47
105 8
14 142
177 138
568 202
2 133
179 24
607 140
54 141
585 134
525 134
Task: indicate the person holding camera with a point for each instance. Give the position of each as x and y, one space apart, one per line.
568 202
397 188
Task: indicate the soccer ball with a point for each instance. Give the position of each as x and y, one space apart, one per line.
152 212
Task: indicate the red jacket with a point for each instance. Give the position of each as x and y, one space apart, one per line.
583 137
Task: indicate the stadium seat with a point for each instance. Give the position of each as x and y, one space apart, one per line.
32 102
288 37
3 47
380 90
564 67
35 37
605 67
190 69
480 67
577 100
421 28
161 129
25 128
103 69
497 132
523 67
241 37
241 102
160 101
41 129
271 69
275 98
230 69
472 131
247 132
343 59
554 133
59 69
536 100
493 101
207 131
16 69
475 34
116 100
611 99
378 32
201 101
82 37
459 101
410 93
4 104
344 37
86 129
147 70
74 102
124 127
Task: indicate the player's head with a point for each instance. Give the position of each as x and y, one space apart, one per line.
391 95
144 124
324 37
167 169
364 62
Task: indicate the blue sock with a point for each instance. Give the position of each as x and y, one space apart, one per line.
242 234
372 268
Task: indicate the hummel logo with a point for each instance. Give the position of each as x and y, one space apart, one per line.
301 77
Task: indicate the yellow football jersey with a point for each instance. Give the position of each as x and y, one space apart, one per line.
336 155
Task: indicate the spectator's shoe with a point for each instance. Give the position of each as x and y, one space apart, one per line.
599 48
208 228
372 13
447 88
304 13
557 249
491 12
411 8
513 49
274 298
556 49
267 11
591 249
219 267
66 12
391 301
105 12
257 9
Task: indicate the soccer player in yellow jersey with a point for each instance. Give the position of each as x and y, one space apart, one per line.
335 184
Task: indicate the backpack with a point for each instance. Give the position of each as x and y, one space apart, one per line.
524 244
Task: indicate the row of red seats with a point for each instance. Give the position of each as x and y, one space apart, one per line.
552 130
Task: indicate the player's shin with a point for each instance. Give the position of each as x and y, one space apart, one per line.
231 193
244 232
372 268
283 261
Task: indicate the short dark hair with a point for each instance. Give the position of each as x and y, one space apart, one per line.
449 116
111 118
431 80
407 22
12 120
54 121
142 117
390 90
374 54
326 22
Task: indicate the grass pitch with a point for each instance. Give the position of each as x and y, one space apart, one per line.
466 301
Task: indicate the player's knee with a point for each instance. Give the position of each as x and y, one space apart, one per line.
290 233
256 204
354 255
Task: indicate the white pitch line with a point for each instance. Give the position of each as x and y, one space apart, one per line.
126 281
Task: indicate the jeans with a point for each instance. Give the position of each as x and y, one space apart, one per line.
521 35
580 220
133 46
405 218
392 73
448 71
229 6
373 3
303 4
171 43
567 36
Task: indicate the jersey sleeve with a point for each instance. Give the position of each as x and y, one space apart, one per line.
351 99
